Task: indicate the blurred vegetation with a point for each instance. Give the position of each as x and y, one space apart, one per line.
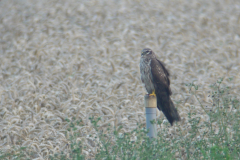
224 144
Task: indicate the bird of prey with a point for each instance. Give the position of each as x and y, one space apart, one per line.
155 77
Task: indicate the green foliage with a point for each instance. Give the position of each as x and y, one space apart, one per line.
16 154
75 146
126 147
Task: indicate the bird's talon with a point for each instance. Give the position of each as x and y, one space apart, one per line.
153 94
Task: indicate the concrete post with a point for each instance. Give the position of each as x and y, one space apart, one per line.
151 106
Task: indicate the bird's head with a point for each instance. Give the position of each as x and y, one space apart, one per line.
146 52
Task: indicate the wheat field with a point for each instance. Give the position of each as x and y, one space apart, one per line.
63 59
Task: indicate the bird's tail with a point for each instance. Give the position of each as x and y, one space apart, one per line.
166 105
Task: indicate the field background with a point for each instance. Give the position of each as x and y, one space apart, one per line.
64 59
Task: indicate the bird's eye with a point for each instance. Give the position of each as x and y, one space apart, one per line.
146 52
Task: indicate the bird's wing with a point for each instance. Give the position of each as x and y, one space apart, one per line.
160 76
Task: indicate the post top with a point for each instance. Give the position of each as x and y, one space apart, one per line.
150 101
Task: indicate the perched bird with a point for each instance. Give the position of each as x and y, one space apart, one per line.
155 77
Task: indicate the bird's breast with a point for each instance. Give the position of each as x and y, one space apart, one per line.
146 75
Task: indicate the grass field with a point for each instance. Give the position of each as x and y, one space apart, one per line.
70 84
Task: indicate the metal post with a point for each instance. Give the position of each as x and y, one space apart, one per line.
151 106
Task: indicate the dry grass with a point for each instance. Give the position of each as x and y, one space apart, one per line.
64 59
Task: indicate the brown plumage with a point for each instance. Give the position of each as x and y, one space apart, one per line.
155 77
